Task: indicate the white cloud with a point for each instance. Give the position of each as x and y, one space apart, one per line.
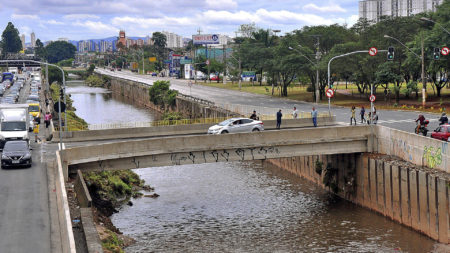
23 16
97 27
80 16
326 8
221 4
53 22
352 20
25 30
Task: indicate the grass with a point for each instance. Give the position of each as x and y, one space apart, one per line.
349 95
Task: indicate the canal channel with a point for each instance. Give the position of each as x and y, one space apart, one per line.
239 207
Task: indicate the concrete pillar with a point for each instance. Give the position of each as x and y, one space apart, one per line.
423 203
414 199
397 214
388 190
366 170
443 210
405 203
380 186
432 194
373 184
359 180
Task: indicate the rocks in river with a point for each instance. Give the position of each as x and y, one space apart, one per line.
154 195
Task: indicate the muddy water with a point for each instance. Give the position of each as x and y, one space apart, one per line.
239 207
245 207
98 106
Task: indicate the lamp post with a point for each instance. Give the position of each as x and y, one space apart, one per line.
424 83
434 22
317 72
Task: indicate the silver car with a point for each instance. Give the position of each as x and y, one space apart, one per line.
237 125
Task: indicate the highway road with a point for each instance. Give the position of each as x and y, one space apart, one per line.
24 204
402 120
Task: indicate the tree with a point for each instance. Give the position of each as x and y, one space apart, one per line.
55 75
161 95
11 42
40 50
160 43
60 50
94 81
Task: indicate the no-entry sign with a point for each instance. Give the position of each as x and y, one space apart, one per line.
372 98
330 93
373 51
445 51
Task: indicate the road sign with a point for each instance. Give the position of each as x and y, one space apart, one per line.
152 59
372 98
207 62
445 51
373 51
330 93
249 74
185 61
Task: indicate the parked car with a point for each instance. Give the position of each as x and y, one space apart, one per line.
215 78
442 133
16 153
237 125
154 74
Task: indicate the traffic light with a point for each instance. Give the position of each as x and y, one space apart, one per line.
437 53
61 93
390 54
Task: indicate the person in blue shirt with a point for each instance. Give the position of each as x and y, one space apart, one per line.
314 116
279 115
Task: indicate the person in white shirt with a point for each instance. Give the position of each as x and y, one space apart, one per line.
295 113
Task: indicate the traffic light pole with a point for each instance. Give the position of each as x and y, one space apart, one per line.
329 73
64 84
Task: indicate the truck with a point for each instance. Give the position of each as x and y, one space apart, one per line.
14 123
134 67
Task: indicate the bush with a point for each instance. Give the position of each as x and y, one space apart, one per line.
94 81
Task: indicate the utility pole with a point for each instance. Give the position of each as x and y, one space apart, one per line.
224 66
424 82
317 70
143 64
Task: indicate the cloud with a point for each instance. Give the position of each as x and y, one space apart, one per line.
221 4
53 22
97 27
23 16
80 16
326 8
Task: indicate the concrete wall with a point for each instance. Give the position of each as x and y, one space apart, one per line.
93 241
417 149
141 132
83 195
415 198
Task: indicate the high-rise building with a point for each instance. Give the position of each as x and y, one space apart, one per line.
173 40
22 39
33 40
122 38
373 10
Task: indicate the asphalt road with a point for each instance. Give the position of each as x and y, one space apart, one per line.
24 204
402 120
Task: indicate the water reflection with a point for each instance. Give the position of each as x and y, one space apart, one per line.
245 207
98 106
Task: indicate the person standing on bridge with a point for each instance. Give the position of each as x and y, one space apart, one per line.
295 113
254 116
47 119
363 114
353 117
314 116
279 116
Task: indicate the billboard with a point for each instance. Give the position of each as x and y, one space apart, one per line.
200 39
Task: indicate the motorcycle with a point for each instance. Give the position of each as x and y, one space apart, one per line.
423 128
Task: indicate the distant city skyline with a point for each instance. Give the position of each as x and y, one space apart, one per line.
84 19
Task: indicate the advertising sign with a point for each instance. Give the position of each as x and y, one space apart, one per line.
248 74
152 59
201 39
185 61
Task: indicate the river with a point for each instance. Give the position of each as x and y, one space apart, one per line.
240 207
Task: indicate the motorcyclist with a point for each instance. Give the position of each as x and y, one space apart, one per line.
443 120
421 120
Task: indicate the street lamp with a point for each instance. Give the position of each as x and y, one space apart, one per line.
424 83
434 22
317 72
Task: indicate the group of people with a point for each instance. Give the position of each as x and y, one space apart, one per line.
372 117
279 115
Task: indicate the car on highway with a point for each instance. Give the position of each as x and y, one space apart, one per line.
442 133
33 97
237 125
154 74
16 153
215 78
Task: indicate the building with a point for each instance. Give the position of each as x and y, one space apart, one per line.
173 40
122 38
63 39
33 40
373 10
22 39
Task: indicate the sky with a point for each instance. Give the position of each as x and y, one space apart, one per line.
96 19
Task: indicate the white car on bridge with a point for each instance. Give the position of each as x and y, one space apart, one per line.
237 125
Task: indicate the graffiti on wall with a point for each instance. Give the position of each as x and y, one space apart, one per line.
432 156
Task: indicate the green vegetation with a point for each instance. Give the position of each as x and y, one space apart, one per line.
74 123
112 243
11 42
40 50
172 116
66 63
60 50
161 95
94 81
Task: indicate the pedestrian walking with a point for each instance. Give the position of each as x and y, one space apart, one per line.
362 113
36 132
47 119
295 113
375 117
314 116
279 116
46 103
369 118
353 115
